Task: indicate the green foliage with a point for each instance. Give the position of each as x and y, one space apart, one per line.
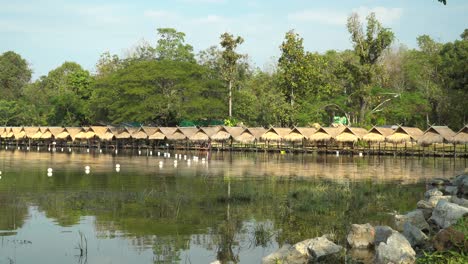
14 75
444 257
171 46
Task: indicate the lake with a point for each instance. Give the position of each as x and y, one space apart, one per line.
234 207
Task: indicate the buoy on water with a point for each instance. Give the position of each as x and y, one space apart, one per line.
117 169
337 153
87 150
49 174
360 154
151 153
49 170
117 165
87 167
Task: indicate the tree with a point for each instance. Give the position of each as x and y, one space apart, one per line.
230 58
107 64
443 1
171 46
368 47
14 75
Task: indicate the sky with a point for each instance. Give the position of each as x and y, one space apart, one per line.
49 32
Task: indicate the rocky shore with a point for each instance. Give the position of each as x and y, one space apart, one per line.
438 225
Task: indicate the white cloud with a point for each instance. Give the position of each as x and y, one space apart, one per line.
331 17
383 14
322 16
159 14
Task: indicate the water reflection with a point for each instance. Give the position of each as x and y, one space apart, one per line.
237 209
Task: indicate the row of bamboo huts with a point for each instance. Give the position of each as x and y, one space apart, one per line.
230 135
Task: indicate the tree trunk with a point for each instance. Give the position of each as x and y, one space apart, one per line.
292 96
230 99
362 110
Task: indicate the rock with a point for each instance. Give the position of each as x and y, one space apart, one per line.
439 181
446 214
424 205
460 201
321 248
433 200
459 179
362 255
414 236
315 249
361 236
382 233
396 250
426 212
415 217
433 192
450 239
451 190
278 256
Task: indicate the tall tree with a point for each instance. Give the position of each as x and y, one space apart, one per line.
171 46
368 47
14 75
230 58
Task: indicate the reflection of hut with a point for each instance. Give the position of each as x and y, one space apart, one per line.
203 134
405 134
249 135
377 134
461 136
182 133
436 134
275 134
299 134
161 133
351 134
326 134
73 132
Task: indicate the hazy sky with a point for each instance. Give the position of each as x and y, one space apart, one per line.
47 33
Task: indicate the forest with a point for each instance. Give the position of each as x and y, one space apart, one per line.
166 83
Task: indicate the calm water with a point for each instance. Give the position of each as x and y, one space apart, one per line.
234 207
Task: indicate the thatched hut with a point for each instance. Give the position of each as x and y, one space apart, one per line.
461 137
139 134
31 131
46 133
275 134
19 133
377 134
120 132
102 132
436 134
149 130
326 134
6 134
299 134
203 134
162 133
351 134
251 134
405 134
73 132
83 134
182 133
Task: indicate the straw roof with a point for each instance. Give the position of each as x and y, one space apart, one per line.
162 133
139 134
149 130
221 135
73 132
30 131
405 134
6 132
18 132
436 134
326 133
275 134
299 133
461 136
182 133
204 133
351 134
102 132
2 130
120 132
56 131
250 134
378 134
46 134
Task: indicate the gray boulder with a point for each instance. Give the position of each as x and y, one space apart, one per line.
382 233
433 192
460 179
314 249
320 248
446 214
415 217
424 205
460 201
361 236
397 250
451 190
433 200
414 236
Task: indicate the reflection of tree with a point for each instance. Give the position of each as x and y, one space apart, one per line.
166 249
